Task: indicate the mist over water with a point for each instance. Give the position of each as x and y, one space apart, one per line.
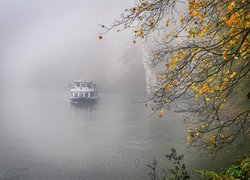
46 44
54 42
44 136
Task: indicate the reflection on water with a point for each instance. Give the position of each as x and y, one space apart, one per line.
83 106
45 136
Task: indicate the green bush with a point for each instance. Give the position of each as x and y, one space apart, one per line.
239 170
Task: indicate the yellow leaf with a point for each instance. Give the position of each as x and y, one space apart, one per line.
200 34
164 76
195 13
233 74
161 113
167 23
222 136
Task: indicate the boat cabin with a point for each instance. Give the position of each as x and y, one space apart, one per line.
81 89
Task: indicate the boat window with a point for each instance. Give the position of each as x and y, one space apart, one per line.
80 94
86 94
77 84
75 94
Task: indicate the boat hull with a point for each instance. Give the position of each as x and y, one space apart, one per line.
83 99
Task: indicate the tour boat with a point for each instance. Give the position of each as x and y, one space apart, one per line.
83 91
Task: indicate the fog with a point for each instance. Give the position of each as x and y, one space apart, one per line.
45 44
48 43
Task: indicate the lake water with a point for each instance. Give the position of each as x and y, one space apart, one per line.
44 136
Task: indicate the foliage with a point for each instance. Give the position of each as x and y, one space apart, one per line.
204 55
177 172
240 170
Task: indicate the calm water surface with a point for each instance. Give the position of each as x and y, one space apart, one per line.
44 136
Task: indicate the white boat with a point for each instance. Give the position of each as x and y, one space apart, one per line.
83 91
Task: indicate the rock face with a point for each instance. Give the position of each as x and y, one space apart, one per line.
132 72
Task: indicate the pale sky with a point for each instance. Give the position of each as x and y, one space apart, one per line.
59 38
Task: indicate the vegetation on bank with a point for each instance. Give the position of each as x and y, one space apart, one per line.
239 170
178 170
